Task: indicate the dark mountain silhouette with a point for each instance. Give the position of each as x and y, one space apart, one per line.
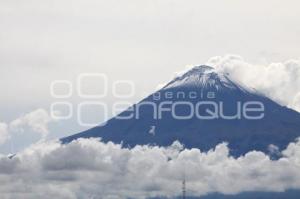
289 194
206 90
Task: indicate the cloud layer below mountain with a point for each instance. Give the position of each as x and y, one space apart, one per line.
89 168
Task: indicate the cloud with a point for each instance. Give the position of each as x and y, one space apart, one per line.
36 120
89 168
4 136
279 81
296 102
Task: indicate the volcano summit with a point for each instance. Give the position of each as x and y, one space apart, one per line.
201 109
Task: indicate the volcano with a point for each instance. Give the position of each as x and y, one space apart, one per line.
201 109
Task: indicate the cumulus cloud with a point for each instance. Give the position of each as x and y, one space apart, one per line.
3 133
36 120
89 168
296 102
279 81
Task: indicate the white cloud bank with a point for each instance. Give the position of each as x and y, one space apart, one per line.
37 121
87 168
279 81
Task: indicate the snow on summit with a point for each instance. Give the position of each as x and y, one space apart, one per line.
204 76
201 109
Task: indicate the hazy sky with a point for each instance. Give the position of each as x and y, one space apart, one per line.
143 41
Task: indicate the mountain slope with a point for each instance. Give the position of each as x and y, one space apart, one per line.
215 120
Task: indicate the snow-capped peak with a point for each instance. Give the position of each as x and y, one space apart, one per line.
205 77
